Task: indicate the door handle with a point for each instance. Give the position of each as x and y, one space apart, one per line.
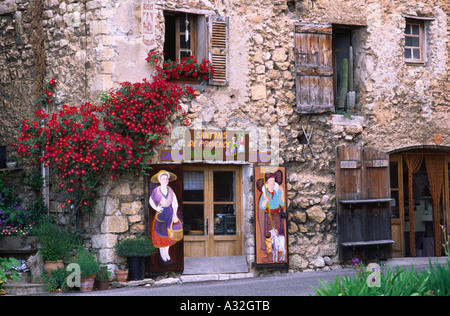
207 226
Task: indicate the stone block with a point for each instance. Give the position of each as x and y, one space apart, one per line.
132 208
106 255
114 224
316 213
112 205
259 93
104 241
7 7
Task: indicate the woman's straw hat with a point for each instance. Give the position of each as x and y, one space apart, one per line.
155 177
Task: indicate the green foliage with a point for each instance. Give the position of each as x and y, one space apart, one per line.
35 211
57 242
104 274
135 247
434 281
56 280
7 272
87 262
15 219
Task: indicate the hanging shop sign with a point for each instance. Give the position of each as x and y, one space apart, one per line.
217 145
271 217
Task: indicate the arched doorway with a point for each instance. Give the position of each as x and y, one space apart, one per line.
419 179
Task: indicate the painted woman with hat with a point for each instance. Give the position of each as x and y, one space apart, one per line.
164 201
271 206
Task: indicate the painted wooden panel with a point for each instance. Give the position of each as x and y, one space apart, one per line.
270 210
164 205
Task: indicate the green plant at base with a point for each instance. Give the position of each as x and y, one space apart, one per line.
87 262
344 88
56 280
104 274
7 272
57 242
434 281
135 247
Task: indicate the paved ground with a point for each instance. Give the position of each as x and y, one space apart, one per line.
286 284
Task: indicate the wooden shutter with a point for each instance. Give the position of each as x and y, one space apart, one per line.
218 49
314 68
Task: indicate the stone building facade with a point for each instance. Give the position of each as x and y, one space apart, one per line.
402 101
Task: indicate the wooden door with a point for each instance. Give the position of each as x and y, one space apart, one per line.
398 207
364 203
212 203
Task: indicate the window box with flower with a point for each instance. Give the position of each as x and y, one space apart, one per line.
186 71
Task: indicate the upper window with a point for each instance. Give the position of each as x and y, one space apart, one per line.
414 39
181 36
324 59
204 37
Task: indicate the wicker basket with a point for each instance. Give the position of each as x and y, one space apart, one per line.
176 235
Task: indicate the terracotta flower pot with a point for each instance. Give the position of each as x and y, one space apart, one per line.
53 265
121 275
87 283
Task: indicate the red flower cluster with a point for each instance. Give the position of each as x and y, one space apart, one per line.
48 94
188 67
87 145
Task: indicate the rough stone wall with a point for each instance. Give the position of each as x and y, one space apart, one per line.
16 68
400 105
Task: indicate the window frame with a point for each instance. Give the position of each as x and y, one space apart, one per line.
180 17
422 41
348 31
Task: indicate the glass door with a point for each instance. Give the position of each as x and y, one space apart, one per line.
397 205
212 211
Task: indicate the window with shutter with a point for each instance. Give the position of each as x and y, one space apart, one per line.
218 49
314 68
204 37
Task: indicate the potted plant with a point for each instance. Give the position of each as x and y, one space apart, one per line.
89 268
103 278
57 243
135 249
121 275
11 162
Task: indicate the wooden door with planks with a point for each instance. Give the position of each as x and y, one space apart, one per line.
364 203
212 202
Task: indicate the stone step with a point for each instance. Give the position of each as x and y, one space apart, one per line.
25 277
191 278
16 289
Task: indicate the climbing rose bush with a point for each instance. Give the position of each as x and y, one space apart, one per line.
87 146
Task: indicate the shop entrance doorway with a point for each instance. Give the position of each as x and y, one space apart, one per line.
420 191
212 203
